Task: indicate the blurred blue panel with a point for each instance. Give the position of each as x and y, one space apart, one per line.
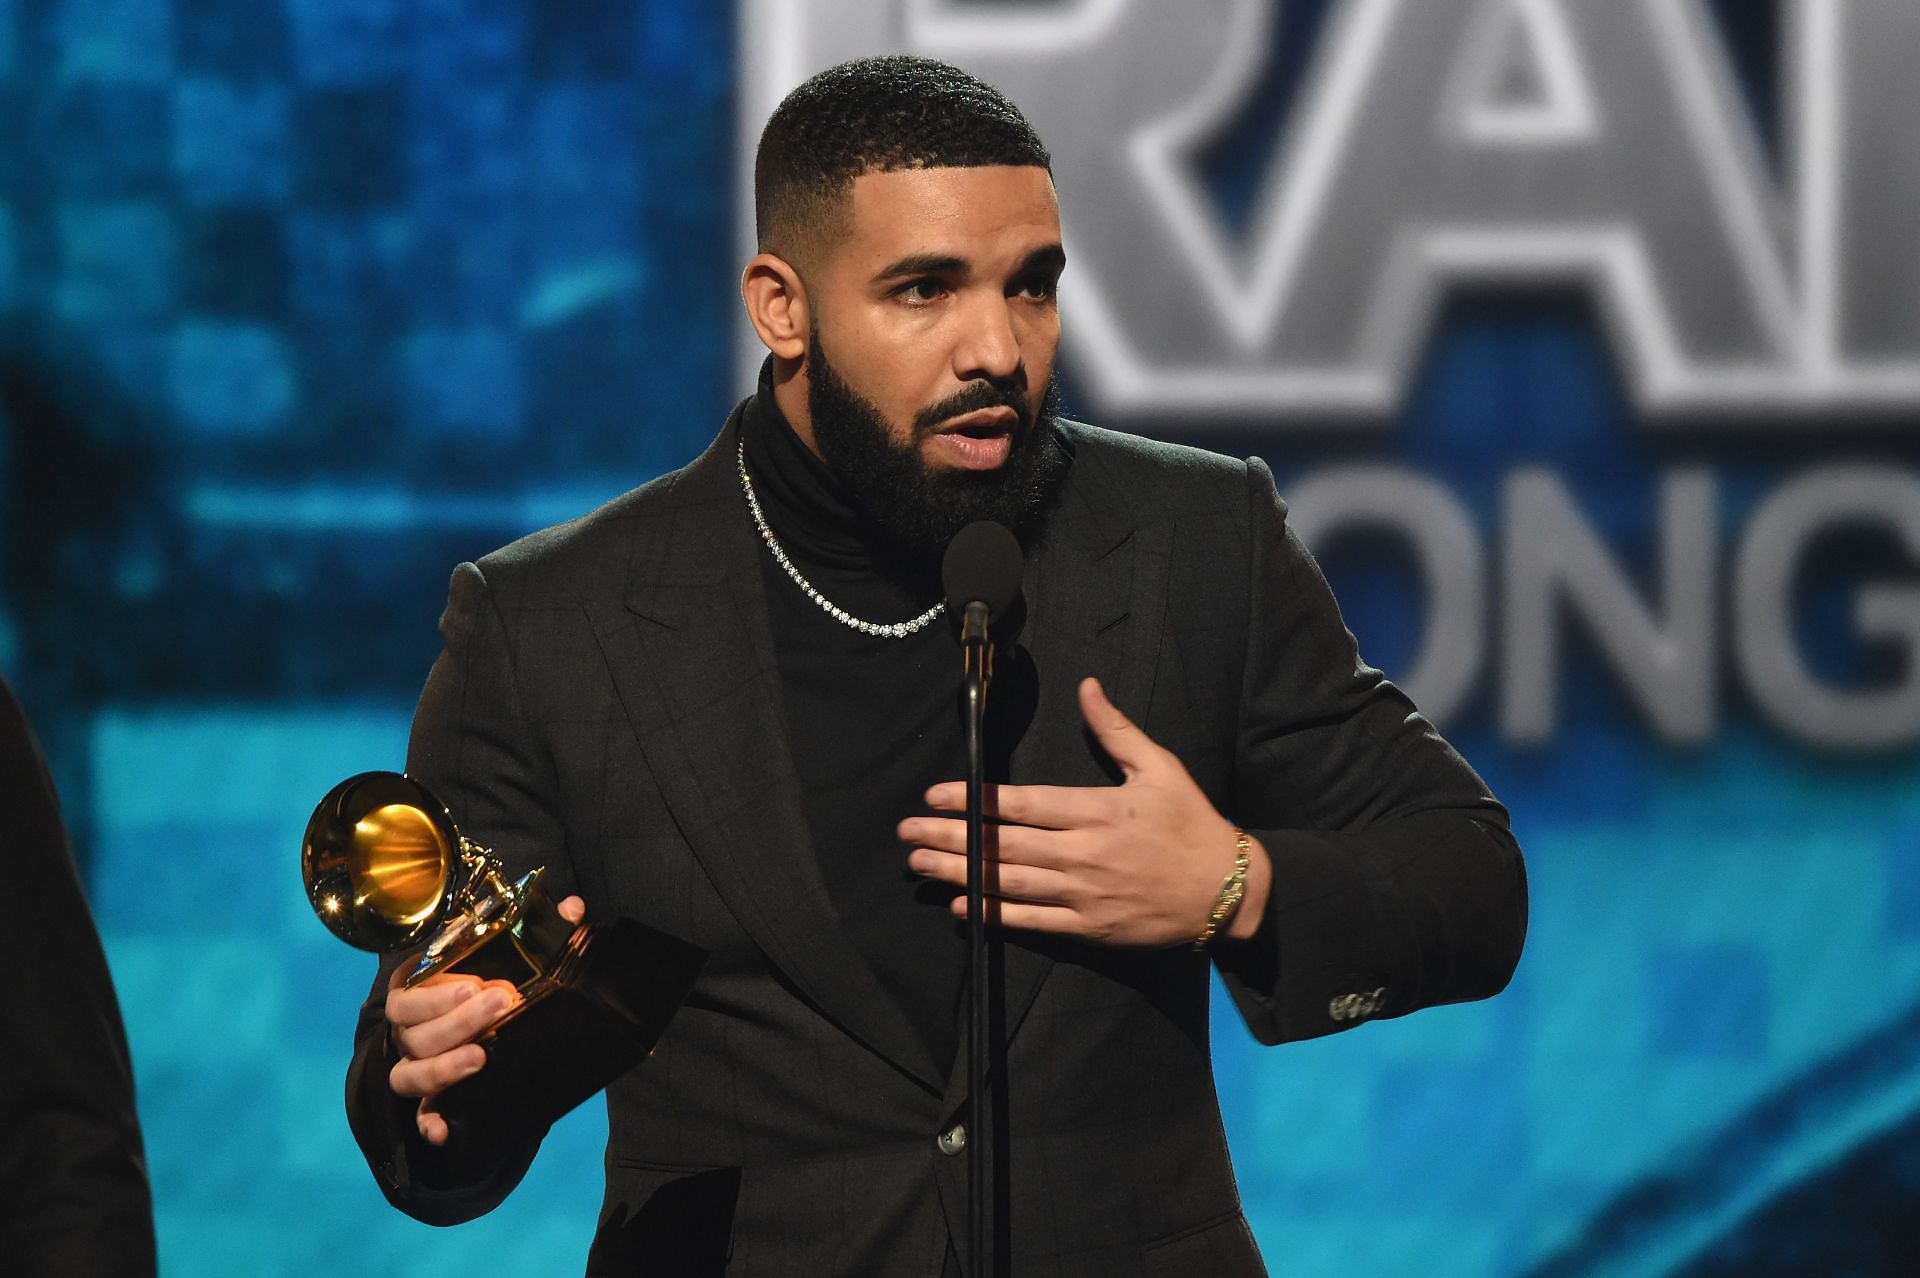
231 140
584 178
1707 1001
350 270
9 259
464 44
678 48
232 379
133 358
464 383
466 145
385 507
1423 1106
1903 880
469 266
240 41
128 40
560 295
583 39
236 262
347 42
104 139
117 260
350 146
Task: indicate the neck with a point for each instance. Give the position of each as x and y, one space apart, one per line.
791 389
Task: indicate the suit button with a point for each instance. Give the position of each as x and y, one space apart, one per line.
954 1139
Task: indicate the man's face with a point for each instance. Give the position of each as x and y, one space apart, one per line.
930 369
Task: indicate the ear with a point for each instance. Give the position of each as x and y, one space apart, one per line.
777 305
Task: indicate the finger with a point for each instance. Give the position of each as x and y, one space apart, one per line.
1004 843
1020 882
461 1025
433 1128
1131 748
1052 807
436 996
935 832
435 1074
573 909
1028 917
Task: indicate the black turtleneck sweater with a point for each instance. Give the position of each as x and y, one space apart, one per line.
873 721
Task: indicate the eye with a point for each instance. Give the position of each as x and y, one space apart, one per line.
921 291
1038 288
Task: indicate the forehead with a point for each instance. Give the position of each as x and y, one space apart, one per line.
979 214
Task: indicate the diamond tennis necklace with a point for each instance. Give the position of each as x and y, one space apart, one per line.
898 630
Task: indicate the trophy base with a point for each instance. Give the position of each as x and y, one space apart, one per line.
575 1033
520 938
594 999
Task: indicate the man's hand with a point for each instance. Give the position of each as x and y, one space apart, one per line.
433 1027
1137 864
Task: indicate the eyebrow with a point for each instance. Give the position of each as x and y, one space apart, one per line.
924 264
1048 256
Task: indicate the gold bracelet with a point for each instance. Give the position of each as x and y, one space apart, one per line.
1231 891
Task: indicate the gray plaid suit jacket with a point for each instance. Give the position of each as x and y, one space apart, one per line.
607 704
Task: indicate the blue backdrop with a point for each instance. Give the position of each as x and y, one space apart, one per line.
304 301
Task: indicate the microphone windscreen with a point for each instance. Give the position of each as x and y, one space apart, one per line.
983 563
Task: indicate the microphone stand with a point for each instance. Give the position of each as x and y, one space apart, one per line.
981 572
979 673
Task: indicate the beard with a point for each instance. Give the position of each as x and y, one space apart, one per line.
917 509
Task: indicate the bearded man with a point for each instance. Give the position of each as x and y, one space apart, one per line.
726 705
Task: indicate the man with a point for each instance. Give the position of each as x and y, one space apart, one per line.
725 704
73 1179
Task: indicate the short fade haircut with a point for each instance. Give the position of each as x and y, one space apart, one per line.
875 115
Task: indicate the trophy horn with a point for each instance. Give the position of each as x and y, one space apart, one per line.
386 869
380 860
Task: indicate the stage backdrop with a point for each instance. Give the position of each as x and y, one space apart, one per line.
1584 338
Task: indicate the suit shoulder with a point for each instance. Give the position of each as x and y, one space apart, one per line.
572 559
1177 477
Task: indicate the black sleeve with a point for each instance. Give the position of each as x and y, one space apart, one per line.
473 746
73 1180
1397 883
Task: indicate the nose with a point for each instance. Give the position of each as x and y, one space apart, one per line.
988 348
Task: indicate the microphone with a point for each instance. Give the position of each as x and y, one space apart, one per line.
981 573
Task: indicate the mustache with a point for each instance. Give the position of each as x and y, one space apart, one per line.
974 397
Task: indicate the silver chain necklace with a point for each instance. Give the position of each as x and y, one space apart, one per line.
898 630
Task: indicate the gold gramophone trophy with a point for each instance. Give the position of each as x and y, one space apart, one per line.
386 869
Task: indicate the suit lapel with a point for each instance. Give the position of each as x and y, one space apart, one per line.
692 657
1096 589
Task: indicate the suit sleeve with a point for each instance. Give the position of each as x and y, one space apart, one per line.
473 746
1397 883
73 1178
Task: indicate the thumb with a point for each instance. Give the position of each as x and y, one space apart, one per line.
1118 735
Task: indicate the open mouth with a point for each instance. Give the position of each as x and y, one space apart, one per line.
980 440
988 423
